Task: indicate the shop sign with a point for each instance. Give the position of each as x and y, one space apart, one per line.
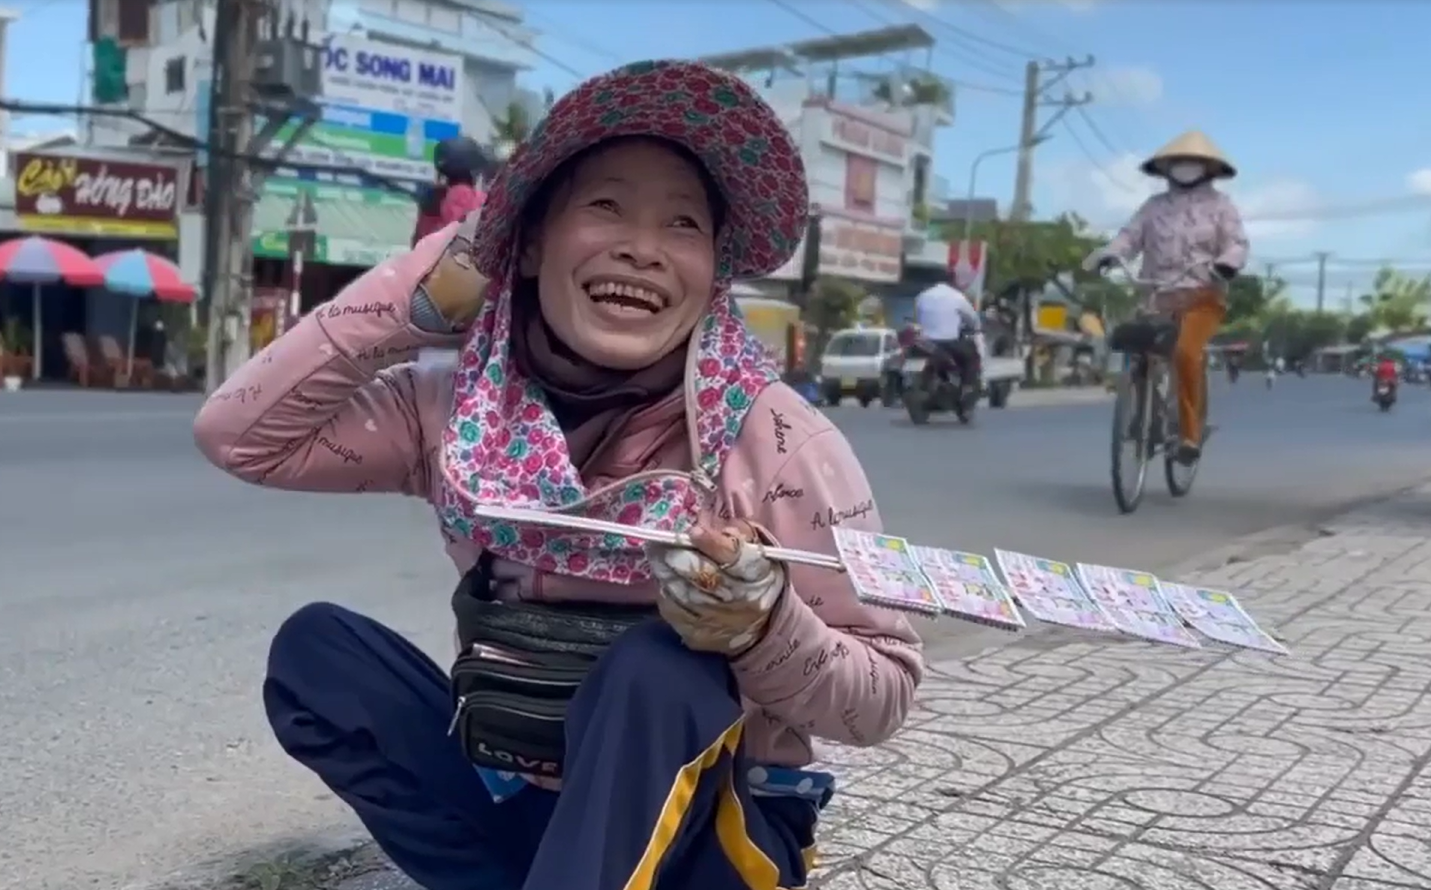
93 196
855 135
363 254
860 250
274 245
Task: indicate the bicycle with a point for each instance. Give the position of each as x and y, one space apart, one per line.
1145 411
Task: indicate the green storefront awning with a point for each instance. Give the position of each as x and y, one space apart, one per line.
354 226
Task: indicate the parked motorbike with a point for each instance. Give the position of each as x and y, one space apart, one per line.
1384 395
933 384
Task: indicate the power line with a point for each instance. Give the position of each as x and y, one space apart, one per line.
964 35
1036 88
974 55
826 29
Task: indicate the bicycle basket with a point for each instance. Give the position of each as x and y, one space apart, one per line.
1146 335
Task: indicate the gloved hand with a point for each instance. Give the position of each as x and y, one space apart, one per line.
1099 261
454 287
719 596
1224 271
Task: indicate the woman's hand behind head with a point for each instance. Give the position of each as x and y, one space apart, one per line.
454 286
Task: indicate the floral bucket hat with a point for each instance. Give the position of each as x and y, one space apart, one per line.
503 447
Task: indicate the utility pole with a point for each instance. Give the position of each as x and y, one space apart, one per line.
235 34
1322 257
1039 79
258 69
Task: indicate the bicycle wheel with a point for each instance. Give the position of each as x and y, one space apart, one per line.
1180 476
1132 420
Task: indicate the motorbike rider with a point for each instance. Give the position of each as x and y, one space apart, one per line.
943 314
1387 373
1194 231
461 168
604 372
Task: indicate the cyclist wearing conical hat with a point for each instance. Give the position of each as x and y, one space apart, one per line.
1191 238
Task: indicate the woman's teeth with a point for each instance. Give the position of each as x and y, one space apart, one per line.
626 295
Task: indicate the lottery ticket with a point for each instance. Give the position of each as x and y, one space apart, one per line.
1218 616
969 587
1135 604
884 571
1049 591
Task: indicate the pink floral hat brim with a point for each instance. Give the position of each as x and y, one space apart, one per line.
716 115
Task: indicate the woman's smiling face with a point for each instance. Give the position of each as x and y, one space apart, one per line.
624 255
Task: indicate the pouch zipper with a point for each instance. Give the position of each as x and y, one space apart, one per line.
463 701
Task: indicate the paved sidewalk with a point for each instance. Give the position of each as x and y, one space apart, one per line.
1070 762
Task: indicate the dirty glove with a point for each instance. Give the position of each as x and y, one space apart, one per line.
1224 271
718 596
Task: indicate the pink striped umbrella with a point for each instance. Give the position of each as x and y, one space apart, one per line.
40 261
140 274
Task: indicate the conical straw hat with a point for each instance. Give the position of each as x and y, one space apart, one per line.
1192 144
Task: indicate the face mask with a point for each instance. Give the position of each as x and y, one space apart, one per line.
1186 172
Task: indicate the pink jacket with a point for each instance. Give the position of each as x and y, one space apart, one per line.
336 405
1177 228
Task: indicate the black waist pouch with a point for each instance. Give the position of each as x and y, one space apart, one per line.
519 666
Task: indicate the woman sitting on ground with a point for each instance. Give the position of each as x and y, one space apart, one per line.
604 372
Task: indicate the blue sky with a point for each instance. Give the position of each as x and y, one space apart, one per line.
1321 104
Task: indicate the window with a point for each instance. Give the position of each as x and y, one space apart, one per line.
855 344
860 174
921 179
133 21
174 75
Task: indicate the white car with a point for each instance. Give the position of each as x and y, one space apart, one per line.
853 364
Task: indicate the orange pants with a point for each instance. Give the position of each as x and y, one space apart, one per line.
1200 320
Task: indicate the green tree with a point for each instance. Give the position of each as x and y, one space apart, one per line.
1358 327
511 128
1029 255
1398 302
833 304
1248 296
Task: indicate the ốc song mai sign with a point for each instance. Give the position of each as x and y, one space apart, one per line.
92 196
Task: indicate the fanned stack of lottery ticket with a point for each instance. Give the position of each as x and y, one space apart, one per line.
884 571
1132 600
1050 592
970 589
1217 615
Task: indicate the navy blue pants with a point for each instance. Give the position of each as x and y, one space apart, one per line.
654 794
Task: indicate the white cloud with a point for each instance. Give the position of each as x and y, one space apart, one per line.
922 5
1420 181
1273 209
1133 86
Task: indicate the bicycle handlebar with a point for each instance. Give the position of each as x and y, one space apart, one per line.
1155 287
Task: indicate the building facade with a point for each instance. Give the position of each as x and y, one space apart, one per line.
398 76
868 150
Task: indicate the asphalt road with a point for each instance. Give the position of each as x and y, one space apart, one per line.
138 587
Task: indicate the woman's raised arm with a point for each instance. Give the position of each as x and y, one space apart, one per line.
335 404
